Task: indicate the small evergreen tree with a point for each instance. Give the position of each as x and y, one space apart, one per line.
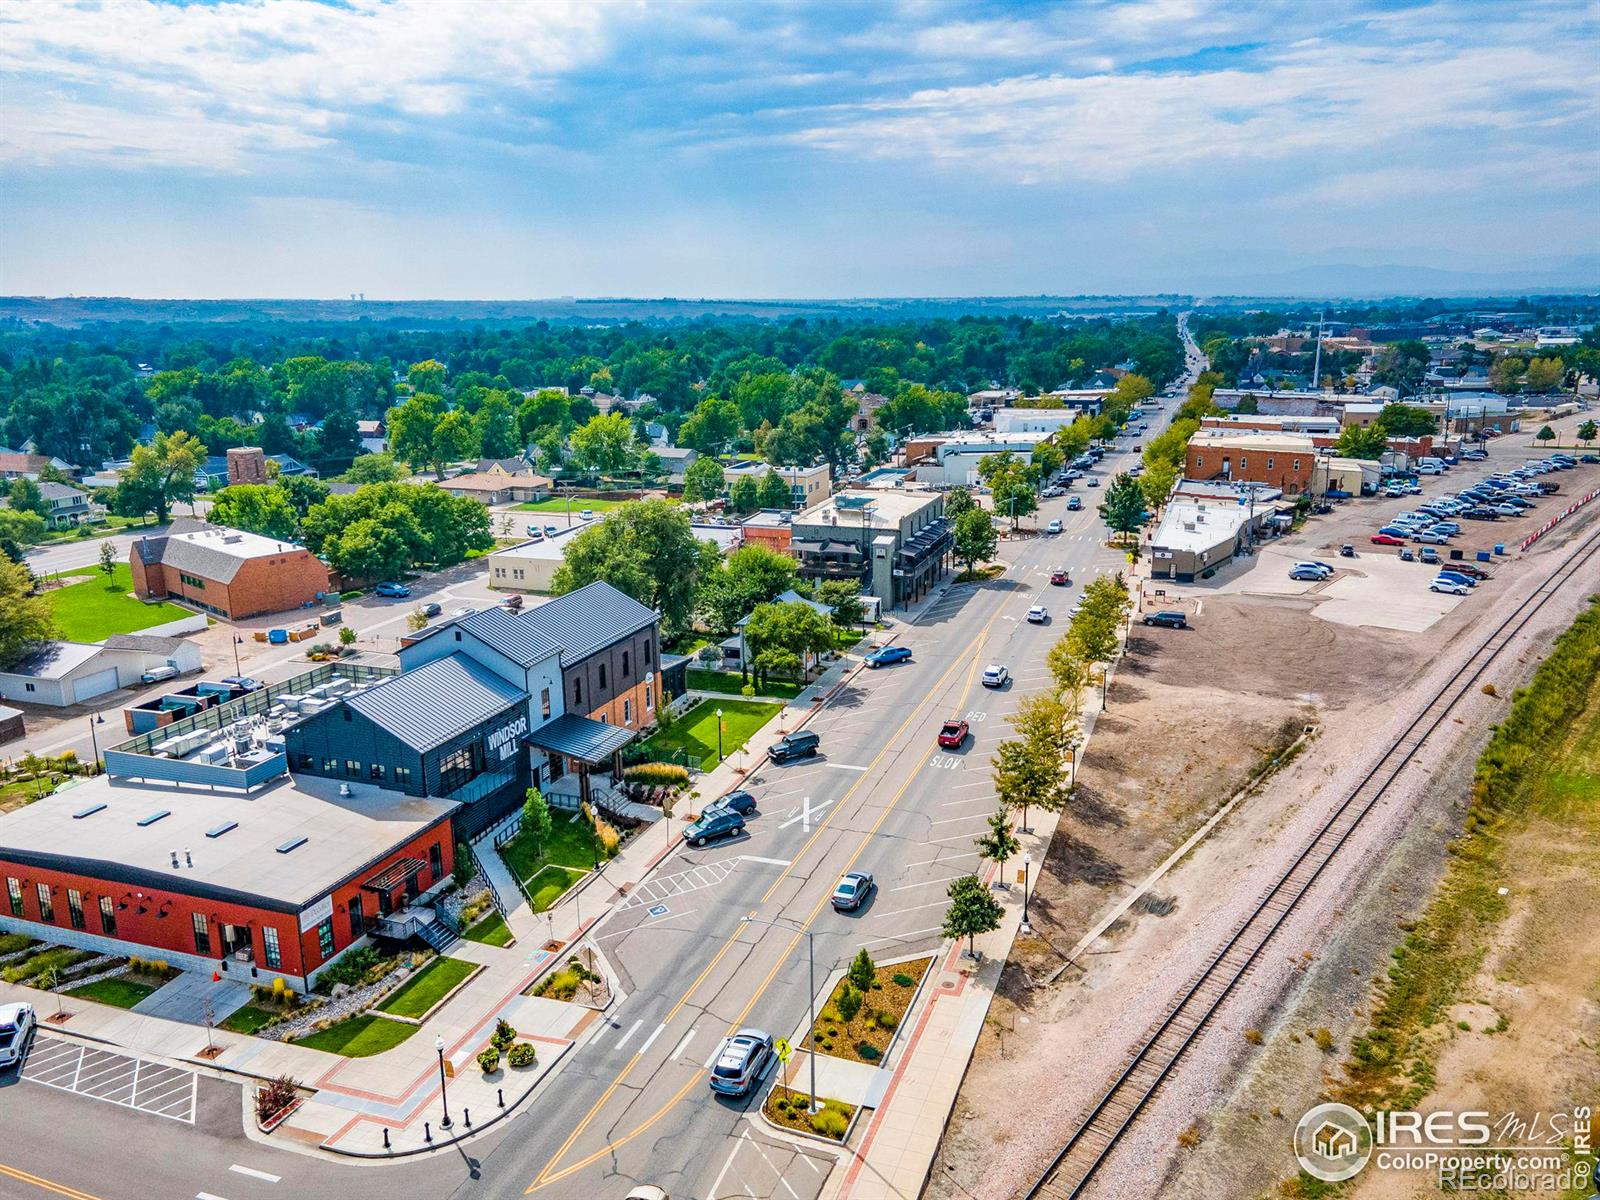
862 970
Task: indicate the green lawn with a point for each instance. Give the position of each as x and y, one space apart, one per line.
560 507
491 930
695 733
94 609
247 1019
571 845
426 988
727 683
360 1037
123 993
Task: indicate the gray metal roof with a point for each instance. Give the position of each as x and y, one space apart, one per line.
512 635
429 706
54 660
211 552
581 738
589 619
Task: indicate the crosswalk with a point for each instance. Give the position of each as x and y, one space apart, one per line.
659 890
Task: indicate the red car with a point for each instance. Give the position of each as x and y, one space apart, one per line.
1387 539
952 734
1059 578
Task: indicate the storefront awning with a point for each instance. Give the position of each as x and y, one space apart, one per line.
593 742
394 875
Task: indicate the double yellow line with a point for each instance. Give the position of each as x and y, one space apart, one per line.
545 1177
37 1181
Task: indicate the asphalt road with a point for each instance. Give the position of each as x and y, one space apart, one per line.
632 1105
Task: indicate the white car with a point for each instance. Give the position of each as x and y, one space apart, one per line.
1319 568
994 675
1037 615
1053 527
17 1027
1448 586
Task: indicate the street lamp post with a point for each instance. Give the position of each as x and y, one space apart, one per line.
94 741
811 1004
719 736
1027 861
236 640
438 1045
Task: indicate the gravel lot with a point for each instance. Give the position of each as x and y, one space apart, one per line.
1189 716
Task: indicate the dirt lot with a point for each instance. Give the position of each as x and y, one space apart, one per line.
1190 714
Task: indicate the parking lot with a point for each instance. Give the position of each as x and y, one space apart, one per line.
124 1079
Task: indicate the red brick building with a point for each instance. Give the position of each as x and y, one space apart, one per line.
228 572
1281 460
276 883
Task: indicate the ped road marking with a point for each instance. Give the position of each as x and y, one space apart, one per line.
649 1041
805 813
678 1050
771 862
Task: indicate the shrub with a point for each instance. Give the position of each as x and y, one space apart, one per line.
610 839
489 1060
904 980
274 1096
862 973
830 1121
887 1020
658 774
1490 690
522 1054
1253 1036
1324 1039
848 1003
868 1052
503 1035
352 969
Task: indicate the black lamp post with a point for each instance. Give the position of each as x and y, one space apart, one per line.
1027 861
438 1045
719 736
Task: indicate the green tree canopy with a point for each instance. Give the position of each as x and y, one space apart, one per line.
256 507
1123 506
646 548
751 575
1368 442
973 910
604 444
374 468
1407 420
702 480
30 620
975 537
792 630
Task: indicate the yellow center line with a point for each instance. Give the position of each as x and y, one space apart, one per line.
59 1189
545 1178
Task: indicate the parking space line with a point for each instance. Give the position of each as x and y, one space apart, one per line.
953 820
255 1174
906 887
944 858
898 912
677 1051
903 937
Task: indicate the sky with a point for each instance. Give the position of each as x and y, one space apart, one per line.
459 149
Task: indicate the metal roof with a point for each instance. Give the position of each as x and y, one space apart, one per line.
512 635
54 660
579 737
213 552
587 620
429 706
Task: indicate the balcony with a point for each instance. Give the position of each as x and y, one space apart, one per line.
479 786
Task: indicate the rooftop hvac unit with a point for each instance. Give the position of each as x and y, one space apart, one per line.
344 789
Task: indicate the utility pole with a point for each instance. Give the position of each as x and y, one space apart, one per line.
811 970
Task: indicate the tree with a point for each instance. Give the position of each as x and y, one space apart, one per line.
367 549
1068 671
1123 507
774 491
713 426
256 507
843 597
160 474
1402 365
455 437
1011 484
496 427
876 448
427 376
973 910
975 537
957 501
1545 374
1047 459
702 480
1505 374
1587 432
18 530
751 575
645 548
999 844
347 636
744 495
1356 441
1407 421
108 559
535 823
1545 434
862 973
1157 482
339 439
374 468
790 630
604 445
26 496
412 426
1025 777
30 620
302 492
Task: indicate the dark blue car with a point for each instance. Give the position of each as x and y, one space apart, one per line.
884 655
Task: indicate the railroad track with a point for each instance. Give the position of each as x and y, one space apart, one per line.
1111 1117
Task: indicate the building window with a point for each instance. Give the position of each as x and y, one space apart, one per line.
75 907
202 935
1243 465
647 654
577 693
302 762
29 687
192 581
352 768
1269 464
358 921
602 676
330 765
269 947
1297 464
108 917
544 703
625 674
627 712
436 861
402 777
649 700
14 894
325 938
47 910
375 772
1199 461
459 766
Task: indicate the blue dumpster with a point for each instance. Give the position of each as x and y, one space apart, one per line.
1499 548
1484 556
278 637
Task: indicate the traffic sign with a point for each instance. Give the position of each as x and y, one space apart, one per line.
782 1048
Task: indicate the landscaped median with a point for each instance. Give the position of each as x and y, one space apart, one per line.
866 1008
426 990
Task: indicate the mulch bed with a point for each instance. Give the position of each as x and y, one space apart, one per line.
845 1039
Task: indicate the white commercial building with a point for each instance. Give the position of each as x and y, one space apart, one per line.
531 566
956 460
1196 536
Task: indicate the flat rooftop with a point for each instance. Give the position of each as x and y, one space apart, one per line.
881 508
103 829
1253 440
553 547
1189 525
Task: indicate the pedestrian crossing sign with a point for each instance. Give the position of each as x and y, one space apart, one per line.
783 1050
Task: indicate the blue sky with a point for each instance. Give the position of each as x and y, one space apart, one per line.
456 149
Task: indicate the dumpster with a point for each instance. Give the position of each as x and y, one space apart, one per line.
278 637
1499 548
1484 556
333 617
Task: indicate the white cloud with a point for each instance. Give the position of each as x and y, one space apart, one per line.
134 79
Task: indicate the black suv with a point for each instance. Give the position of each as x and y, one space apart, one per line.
800 744
1172 620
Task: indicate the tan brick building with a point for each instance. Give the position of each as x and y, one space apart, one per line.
228 572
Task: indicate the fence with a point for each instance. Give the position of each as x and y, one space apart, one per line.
1549 525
